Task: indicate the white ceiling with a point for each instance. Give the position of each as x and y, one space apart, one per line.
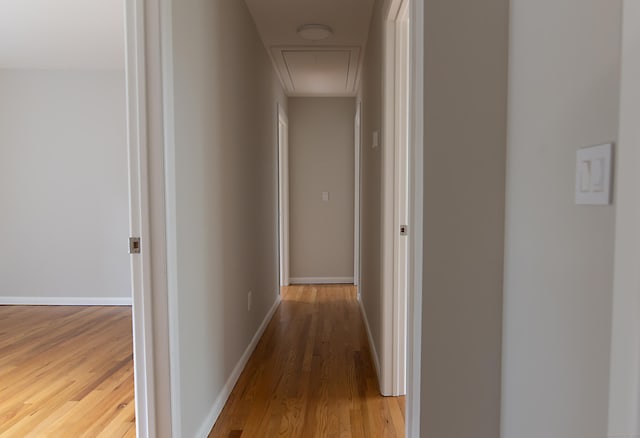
324 68
62 34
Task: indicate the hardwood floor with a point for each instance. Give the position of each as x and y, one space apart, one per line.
311 375
66 372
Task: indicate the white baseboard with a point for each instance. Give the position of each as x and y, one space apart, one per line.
65 301
321 280
222 398
372 345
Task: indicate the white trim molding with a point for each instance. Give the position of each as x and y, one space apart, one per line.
372 345
321 280
145 75
65 301
395 257
358 193
216 409
284 253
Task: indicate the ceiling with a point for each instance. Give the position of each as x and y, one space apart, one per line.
323 68
62 34
89 34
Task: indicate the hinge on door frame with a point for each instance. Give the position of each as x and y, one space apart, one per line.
134 245
404 230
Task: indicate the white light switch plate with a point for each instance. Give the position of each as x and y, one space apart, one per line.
594 175
375 141
325 196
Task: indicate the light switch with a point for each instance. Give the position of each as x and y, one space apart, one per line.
584 176
594 175
375 141
597 175
325 196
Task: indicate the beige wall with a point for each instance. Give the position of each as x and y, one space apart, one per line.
63 188
225 95
371 179
321 159
564 82
465 125
624 404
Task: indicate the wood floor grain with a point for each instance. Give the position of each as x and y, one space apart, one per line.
311 375
66 372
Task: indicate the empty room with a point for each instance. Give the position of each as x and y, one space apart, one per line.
66 350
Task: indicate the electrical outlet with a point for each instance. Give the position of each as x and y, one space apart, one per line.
249 299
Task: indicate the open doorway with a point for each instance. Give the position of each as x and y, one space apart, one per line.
283 195
401 192
357 127
228 23
321 190
396 199
65 290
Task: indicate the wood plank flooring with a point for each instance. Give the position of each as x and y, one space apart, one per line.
311 375
66 372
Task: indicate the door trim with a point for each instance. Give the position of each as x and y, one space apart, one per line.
401 197
394 263
390 318
139 217
358 194
145 41
283 196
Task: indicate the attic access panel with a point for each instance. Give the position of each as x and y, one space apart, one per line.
317 71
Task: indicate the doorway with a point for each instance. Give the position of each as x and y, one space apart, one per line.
159 94
283 195
396 195
358 193
401 193
65 284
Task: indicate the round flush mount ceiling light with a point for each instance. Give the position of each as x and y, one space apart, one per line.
315 32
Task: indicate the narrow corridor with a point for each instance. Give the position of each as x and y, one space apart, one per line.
312 374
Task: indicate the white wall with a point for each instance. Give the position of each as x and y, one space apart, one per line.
321 144
465 104
225 116
564 79
370 95
63 187
624 403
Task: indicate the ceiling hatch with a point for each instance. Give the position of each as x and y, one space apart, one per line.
317 71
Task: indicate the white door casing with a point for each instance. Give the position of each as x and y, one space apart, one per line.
358 182
283 195
395 197
145 82
138 218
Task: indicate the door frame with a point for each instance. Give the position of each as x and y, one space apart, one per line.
146 39
401 197
150 111
283 197
139 219
392 318
357 194
395 260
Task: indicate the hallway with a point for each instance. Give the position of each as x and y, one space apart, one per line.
312 374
